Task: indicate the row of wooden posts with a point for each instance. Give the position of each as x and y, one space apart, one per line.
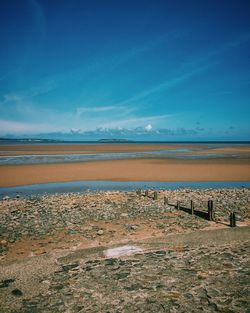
210 206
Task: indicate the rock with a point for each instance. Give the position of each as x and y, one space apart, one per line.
5 283
110 261
202 275
122 275
58 287
72 231
133 287
17 292
68 267
124 215
4 243
130 227
99 282
173 294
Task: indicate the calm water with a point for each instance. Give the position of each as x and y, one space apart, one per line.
95 186
65 158
90 156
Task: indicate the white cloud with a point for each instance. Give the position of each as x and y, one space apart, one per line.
75 130
149 127
11 97
135 121
121 110
13 127
82 110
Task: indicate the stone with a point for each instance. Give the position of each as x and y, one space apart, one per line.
165 278
173 295
122 275
100 232
6 282
124 214
69 266
202 275
133 287
110 261
17 292
4 243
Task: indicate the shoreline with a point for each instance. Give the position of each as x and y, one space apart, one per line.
125 148
153 169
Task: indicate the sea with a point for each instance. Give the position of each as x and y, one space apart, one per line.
177 153
97 186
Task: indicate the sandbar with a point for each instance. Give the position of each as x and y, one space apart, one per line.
221 169
88 148
26 149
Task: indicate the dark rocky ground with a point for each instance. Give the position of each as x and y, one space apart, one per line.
52 253
203 279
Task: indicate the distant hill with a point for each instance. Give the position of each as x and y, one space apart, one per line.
114 140
26 140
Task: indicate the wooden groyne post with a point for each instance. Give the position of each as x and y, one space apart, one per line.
165 200
232 219
138 192
178 205
146 193
155 195
192 207
210 212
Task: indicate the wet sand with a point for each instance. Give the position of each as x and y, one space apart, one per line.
239 150
144 169
91 148
128 170
15 150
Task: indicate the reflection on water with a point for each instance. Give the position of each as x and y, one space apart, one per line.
62 158
95 186
70 158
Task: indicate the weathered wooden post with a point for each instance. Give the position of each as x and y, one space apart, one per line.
232 219
192 207
138 192
178 205
155 195
165 200
146 193
210 210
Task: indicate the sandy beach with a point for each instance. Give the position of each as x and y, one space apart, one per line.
142 168
128 170
88 148
8 150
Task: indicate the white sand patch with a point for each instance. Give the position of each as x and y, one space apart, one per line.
119 251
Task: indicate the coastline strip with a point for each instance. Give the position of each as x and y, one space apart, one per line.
171 170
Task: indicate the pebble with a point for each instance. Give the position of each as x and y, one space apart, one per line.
17 292
4 242
37 217
184 279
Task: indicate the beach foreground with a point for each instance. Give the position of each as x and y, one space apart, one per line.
125 252
128 170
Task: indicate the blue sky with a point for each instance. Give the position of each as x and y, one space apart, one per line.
147 70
